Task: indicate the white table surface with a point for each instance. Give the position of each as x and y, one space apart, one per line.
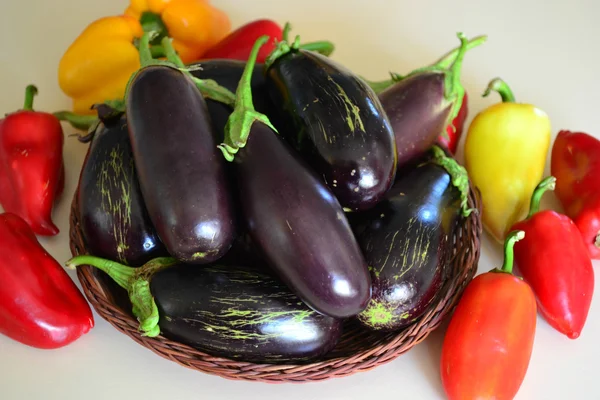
547 51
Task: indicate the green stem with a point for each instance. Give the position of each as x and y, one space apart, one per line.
137 283
286 31
597 242
498 85
243 116
30 92
208 87
442 64
323 47
458 174
157 51
509 253
144 50
77 121
445 61
547 184
454 91
283 48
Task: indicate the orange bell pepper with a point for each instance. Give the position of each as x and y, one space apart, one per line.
98 64
194 25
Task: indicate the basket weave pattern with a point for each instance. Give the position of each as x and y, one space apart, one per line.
358 350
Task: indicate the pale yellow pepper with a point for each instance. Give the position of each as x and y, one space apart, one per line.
506 148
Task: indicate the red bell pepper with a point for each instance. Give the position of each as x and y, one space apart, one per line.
554 260
40 306
454 130
31 165
488 344
238 44
575 162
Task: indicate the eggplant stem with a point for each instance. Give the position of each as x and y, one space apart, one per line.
237 128
509 253
547 184
137 283
77 121
458 175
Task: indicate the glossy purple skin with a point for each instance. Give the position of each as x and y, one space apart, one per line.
418 112
339 126
180 169
300 226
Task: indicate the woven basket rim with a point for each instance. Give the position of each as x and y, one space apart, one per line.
464 263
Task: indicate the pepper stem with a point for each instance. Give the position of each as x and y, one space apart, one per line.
458 174
509 254
547 184
152 22
30 92
77 121
137 283
243 116
498 85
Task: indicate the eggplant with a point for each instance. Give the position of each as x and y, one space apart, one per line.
237 312
339 125
181 172
113 217
407 241
227 73
292 216
422 104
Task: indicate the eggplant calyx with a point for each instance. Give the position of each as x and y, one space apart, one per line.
283 48
323 47
137 283
458 175
237 128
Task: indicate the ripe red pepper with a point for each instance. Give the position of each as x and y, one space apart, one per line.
553 259
238 44
455 129
40 306
575 163
31 165
488 344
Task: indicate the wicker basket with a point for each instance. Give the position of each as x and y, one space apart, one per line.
358 350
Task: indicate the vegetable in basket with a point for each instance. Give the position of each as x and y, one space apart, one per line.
575 162
235 312
553 259
181 171
489 341
338 123
407 240
32 171
291 215
40 306
505 154
113 217
424 103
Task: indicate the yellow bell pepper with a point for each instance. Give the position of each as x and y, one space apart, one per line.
98 64
194 25
505 155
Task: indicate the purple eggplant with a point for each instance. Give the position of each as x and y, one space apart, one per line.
339 124
113 217
407 240
420 105
181 172
236 312
292 216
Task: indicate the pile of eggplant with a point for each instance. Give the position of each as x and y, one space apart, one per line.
253 230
